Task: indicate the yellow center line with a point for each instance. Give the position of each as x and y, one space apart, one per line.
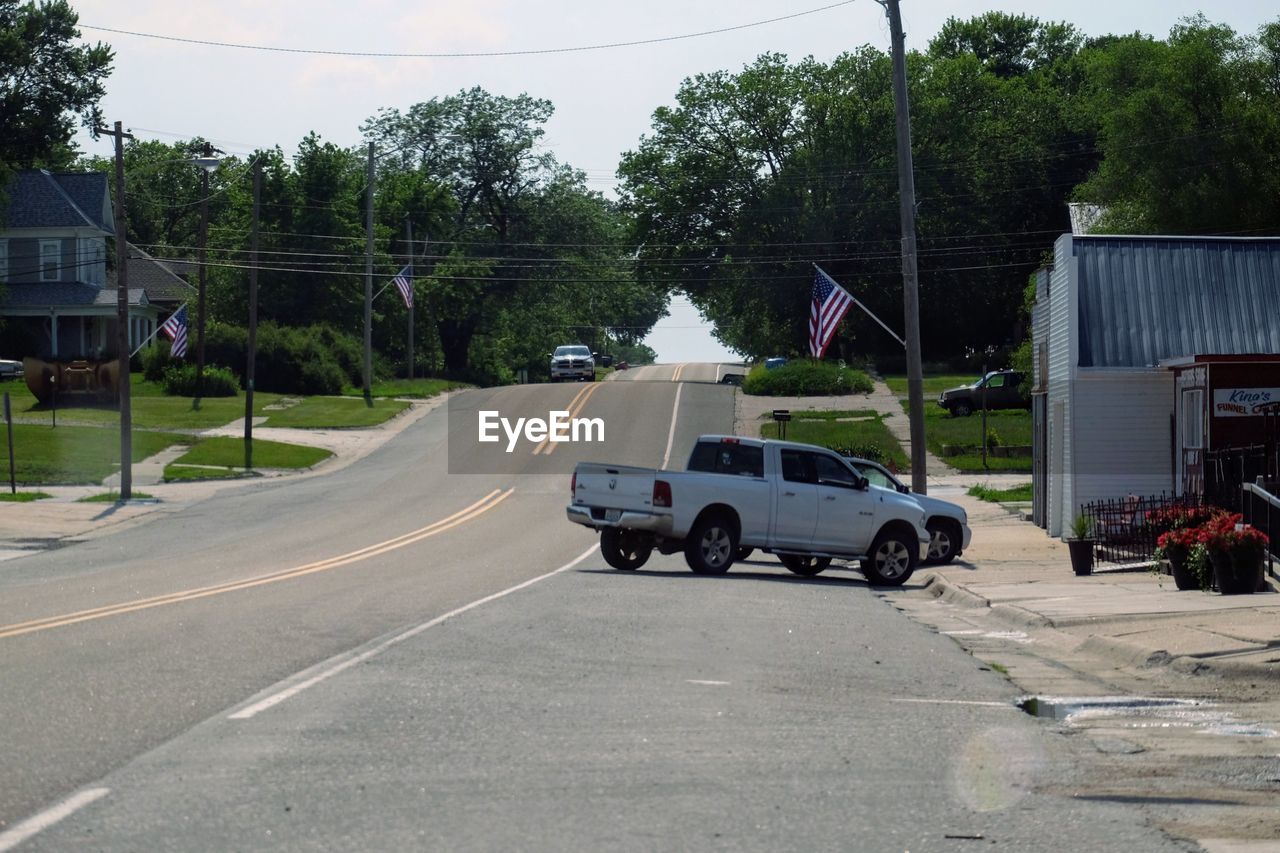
481 506
675 377
544 441
573 413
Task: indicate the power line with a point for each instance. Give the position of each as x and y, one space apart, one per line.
468 54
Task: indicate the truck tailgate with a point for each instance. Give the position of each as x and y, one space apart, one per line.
614 487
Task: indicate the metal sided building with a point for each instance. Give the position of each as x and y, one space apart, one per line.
1115 318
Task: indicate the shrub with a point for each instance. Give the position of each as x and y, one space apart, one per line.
862 451
806 378
180 381
993 439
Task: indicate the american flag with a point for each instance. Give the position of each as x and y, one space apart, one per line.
826 310
404 283
175 329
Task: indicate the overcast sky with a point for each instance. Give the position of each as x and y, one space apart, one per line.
246 99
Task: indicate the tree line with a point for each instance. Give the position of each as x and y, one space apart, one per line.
749 179
743 183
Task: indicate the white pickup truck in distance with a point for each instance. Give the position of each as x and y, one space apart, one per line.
803 503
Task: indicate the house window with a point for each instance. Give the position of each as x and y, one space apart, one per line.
50 260
1193 418
4 259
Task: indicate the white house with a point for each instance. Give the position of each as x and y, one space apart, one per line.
1113 315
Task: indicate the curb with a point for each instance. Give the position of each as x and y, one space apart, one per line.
943 588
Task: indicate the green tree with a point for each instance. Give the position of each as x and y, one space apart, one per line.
46 82
1189 127
528 253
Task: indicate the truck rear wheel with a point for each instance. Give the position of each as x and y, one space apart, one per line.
804 566
711 546
892 559
623 549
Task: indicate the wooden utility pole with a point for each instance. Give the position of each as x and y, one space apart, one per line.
123 346
252 357
368 284
408 236
910 284
203 276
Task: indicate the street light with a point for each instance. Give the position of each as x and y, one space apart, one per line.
207 163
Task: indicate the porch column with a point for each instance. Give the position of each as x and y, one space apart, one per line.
53 332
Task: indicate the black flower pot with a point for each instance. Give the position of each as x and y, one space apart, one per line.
1183 576
1238 574
1081 551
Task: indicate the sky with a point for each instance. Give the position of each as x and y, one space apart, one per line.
604 98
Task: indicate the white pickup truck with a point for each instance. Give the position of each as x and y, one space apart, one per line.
803 503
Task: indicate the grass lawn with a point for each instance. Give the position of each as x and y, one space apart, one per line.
23 497
335 413
416 389
150 407
225 456
76 455
1017 494
826 429
1011 426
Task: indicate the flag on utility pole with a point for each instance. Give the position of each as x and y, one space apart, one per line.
175 329
827 308
831 291
404 283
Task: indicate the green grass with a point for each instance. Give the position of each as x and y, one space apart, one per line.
1017 494
23 497
803 378
112 497
1013 426
76 455
149 407
933 385
998 667
416 389
825 430
336 413
225 458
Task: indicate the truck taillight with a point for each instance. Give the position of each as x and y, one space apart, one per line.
661 493
573 485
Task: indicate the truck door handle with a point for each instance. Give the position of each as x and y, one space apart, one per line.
829 498
789 494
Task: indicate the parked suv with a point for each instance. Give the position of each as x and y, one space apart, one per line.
947 523
573 361
1002 391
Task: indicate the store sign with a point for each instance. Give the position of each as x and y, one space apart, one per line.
1245 402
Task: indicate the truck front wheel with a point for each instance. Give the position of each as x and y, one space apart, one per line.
624 549
892 559
711 546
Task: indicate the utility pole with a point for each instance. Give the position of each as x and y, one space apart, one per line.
122 319
408 236
910 284
368 284
252 357
203 273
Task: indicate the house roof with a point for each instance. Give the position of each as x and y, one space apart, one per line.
41 199
159 278
65 294
1148 299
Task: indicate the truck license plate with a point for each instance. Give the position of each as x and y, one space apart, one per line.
612 514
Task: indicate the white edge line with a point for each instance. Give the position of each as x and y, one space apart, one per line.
11 838
671 434
293 690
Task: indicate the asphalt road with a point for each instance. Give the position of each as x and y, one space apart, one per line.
411 654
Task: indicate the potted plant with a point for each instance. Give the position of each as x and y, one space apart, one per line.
1176 546
1236 551
1080 545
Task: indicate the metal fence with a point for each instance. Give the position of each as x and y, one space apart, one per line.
1227 471
1124 534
